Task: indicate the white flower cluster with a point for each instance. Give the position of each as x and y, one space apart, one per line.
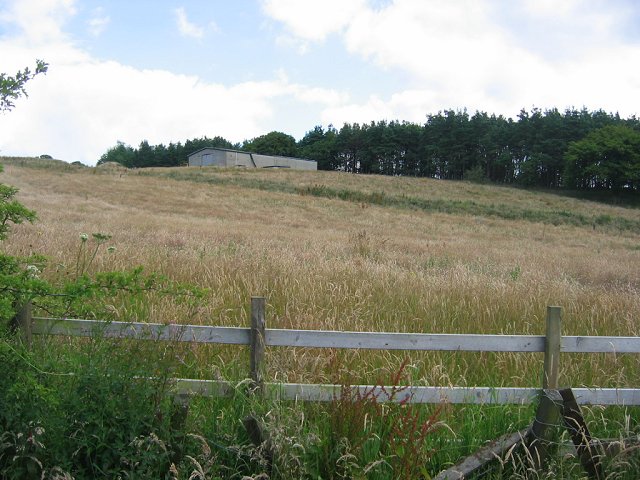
33 271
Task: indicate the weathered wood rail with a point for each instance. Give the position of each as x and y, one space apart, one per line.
258 337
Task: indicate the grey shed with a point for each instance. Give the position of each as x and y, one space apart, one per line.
223 157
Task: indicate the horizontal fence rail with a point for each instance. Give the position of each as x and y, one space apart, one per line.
141 331
257 337
410 394
331 338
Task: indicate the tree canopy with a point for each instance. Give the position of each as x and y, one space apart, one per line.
172 155
579 149
607 158
273 143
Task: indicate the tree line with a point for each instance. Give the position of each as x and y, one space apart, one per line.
576 149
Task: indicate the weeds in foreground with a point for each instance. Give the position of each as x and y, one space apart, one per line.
105 422
372 439
20 452
87 255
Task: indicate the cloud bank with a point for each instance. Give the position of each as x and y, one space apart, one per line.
84 105
484 55
481 54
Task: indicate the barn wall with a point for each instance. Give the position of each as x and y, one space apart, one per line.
195 159
268 161
208 157
232 158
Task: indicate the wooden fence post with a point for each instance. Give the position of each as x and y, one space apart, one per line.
22 321
257 432
579 431
552 349
545 427
547 420
257 342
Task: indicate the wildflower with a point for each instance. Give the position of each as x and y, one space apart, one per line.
111 249
33 271
100 237
84 237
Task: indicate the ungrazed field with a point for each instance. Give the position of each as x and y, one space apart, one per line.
332 251
358 263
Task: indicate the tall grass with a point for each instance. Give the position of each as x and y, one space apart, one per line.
380 257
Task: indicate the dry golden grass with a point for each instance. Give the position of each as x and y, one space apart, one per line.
331 264
424 188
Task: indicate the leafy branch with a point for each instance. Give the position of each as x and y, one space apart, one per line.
13 87
12 211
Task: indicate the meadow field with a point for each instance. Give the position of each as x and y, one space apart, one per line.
336 251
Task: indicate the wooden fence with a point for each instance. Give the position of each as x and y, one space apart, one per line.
258 337
557 408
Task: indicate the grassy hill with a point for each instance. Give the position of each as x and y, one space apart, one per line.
365 262
331 250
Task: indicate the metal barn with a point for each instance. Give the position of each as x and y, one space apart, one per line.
222 157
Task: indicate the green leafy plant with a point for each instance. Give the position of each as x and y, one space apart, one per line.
475 174
12 211
19 282
515 273
19 452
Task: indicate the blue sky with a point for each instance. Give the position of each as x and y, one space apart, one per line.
172 70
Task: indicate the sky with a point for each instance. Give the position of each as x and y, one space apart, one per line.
167 71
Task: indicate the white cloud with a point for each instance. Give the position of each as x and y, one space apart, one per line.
306 94
185 27
552 8
83 105
309 20
479 54
98 22
39 20
432 40
312 20
213 26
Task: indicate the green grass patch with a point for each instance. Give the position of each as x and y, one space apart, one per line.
502 211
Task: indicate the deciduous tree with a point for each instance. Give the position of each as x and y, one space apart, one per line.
607 158
273 143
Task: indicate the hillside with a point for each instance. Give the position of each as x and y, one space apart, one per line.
294 234
373 261
339 251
